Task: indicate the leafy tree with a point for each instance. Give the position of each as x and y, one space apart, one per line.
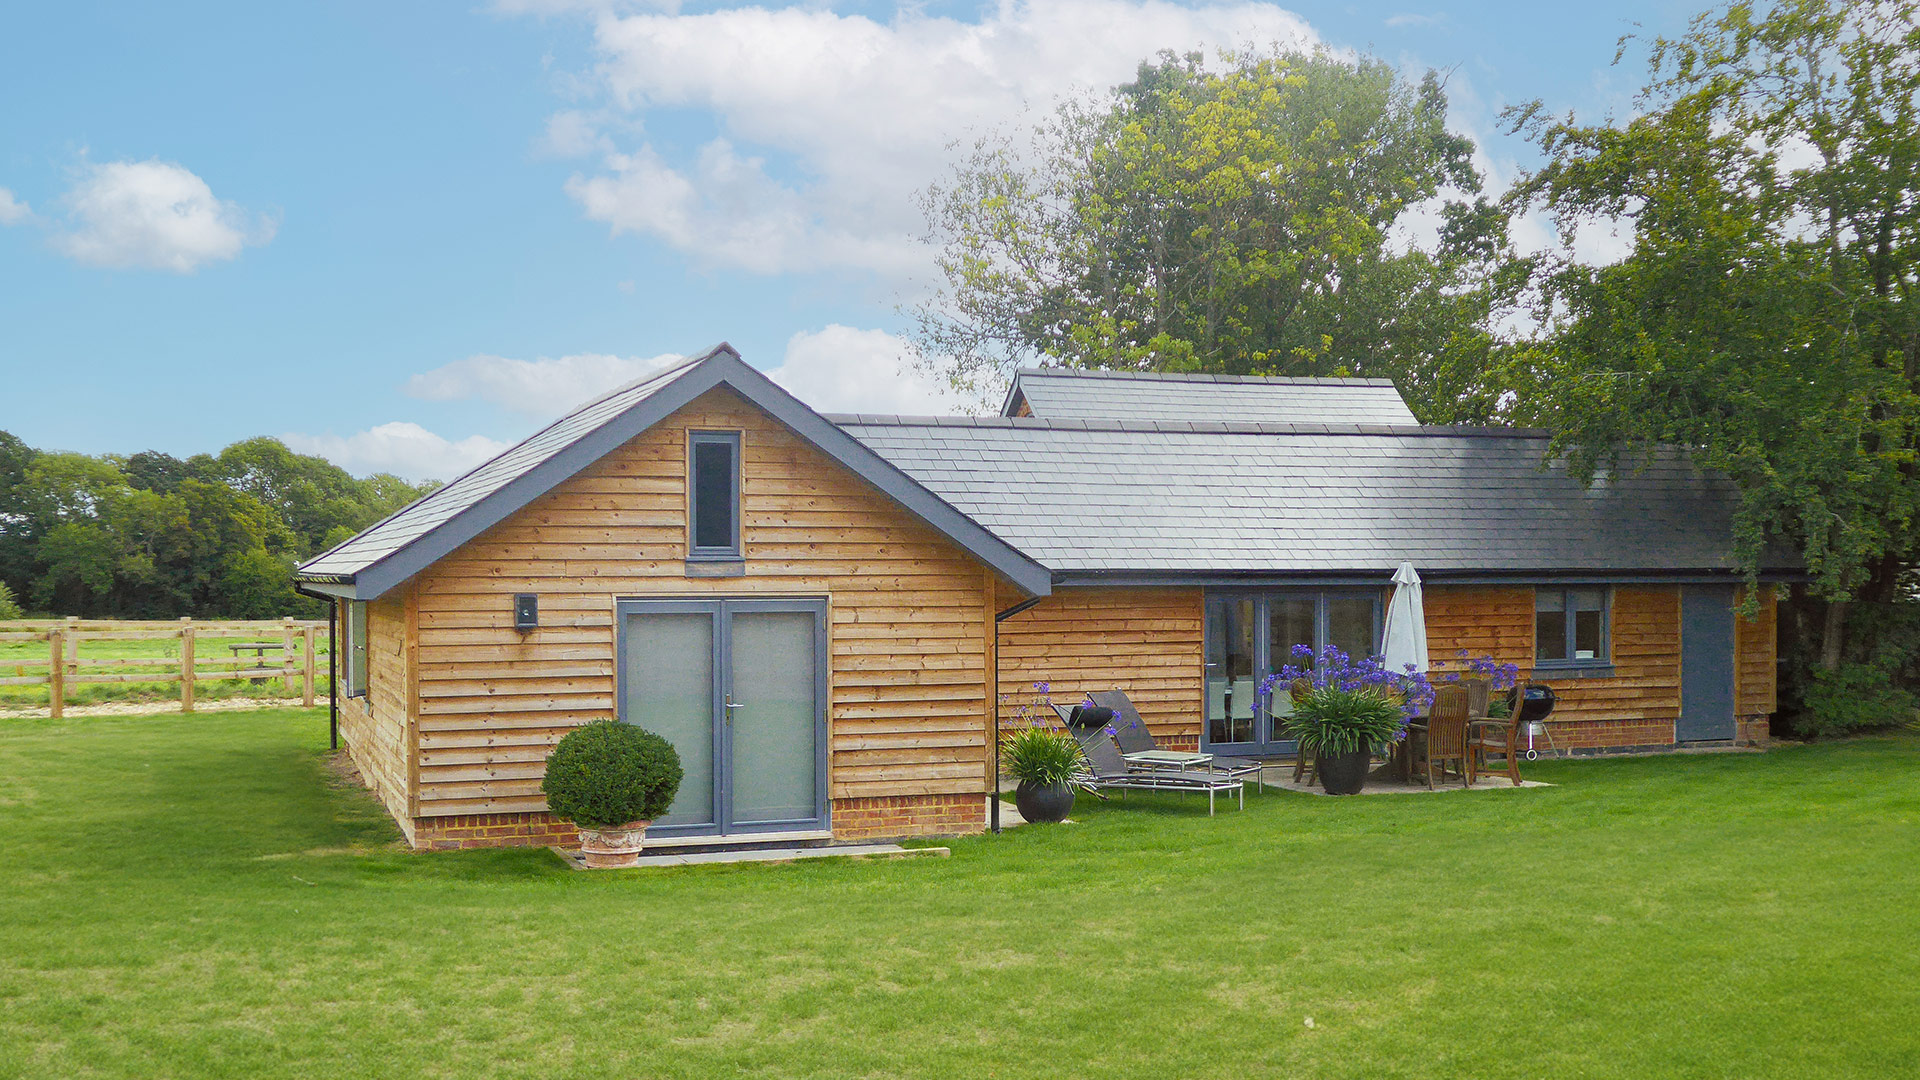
1235 221
16 551
1765 317
151 536
152 470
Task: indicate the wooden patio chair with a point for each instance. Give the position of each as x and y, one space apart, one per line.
1444 735
1303 762
1498 735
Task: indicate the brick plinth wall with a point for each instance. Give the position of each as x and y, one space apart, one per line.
889 817
492 830
880 818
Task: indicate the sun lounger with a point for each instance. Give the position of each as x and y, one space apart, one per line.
1108 771
1136 740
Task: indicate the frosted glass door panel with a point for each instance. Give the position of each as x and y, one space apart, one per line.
669 690
774 722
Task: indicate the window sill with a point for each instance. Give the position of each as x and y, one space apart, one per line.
1576 669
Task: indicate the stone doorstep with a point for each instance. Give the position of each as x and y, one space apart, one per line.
572 857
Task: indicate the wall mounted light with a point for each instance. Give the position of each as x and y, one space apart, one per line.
526 612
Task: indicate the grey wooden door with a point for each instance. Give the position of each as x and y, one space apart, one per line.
1706 664
739 688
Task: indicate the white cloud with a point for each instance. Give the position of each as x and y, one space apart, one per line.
830 123
154 214
842 369
542 389
12 210
404 449
571 133
1408 18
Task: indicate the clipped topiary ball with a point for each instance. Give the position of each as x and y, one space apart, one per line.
607 774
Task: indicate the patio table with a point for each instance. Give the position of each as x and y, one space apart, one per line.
1167 759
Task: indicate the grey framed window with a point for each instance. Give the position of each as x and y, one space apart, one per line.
1571 626
713 495
355 653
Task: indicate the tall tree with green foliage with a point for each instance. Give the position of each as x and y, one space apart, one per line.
1765 317
1237 220
152 536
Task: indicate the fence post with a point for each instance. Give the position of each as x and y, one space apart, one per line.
56 673
73 644
186 665
286 652
306 682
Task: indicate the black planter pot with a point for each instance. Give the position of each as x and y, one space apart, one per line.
1345 774
1049 802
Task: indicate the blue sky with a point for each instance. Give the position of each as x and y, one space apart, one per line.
402 234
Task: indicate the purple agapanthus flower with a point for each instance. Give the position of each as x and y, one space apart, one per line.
1333 667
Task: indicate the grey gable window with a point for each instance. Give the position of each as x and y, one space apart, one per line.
356 650
1570 626
713 495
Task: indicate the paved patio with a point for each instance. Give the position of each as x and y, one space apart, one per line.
1379 782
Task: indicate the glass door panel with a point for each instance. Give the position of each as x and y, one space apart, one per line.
1230 670
1351 623
773 711
669 689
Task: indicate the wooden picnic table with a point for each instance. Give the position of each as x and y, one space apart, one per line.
259 649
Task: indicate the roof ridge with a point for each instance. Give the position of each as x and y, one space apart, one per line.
1200 376
684 362
1188 427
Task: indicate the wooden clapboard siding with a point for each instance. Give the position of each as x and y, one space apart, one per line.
907 610
1483 621
375 728
1498 622
1756 657
1147 642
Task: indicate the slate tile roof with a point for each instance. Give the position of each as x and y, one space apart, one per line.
1062 394
1082 496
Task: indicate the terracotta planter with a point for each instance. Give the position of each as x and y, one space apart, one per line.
611 849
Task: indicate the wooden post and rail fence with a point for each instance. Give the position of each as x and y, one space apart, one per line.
64 663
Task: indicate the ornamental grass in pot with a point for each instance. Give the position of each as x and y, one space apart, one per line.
611 780
1044 762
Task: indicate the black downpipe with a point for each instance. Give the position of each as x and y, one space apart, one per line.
994 693
333 674
333 664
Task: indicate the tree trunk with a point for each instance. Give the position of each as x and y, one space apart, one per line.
1833 635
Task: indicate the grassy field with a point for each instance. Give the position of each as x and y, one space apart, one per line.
193 896
15 656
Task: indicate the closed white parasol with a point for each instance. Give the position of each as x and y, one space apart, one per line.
1406 640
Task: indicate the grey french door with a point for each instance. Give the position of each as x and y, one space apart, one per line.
739 687
1250 635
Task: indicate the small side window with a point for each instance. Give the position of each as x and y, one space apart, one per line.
355 652
1570 626
713 495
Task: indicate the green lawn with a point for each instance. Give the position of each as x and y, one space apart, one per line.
191 897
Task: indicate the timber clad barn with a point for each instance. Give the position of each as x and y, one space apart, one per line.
806 605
